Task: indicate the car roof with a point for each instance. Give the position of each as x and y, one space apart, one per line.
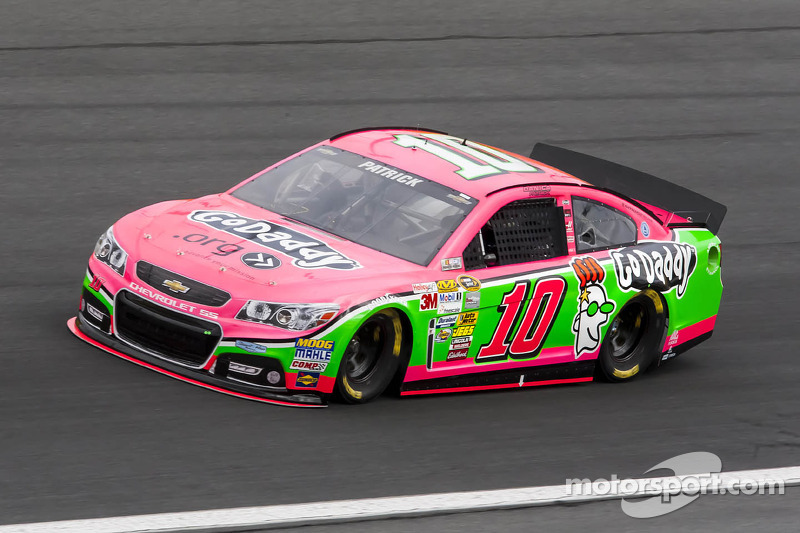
381 144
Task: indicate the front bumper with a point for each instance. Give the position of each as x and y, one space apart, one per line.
199 377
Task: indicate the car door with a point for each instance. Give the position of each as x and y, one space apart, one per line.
512 288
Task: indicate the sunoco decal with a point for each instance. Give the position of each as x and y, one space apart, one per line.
305 251
662 265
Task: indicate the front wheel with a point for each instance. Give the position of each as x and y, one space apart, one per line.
632 341
371 358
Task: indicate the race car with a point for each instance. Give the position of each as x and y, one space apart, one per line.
410 260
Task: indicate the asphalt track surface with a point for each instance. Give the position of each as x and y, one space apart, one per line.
109 106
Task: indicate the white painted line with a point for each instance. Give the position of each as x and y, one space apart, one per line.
275 516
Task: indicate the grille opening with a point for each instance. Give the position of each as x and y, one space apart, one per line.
196 292
169 334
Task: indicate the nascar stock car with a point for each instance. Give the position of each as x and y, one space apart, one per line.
413 260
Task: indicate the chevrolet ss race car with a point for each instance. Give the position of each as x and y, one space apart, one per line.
413 260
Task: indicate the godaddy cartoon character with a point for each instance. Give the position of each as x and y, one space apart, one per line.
594 307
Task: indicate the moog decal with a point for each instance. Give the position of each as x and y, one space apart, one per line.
305 251
662 265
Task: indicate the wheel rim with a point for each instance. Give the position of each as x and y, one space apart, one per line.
626 332
364 350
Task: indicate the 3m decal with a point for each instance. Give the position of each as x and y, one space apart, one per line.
472 160
305 251
446 321
533 325
463 331
260 260
428 301
662 265
313 349
251 347
594 307
447 285
307 380
443 335
467 319
469 283
424 288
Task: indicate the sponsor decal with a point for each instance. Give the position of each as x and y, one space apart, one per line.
522 331
472 300
452 263
537 190
443 335
594 307
672 340
311 366
183 306
244 369
446 321
251 347
424 288
307 380
570 238
391 173
385 299
175 286
645 229
463 331
469 283
305 251
95 312
460 343
97 283
450 297
428 301
567 213
467 319
457 355
447 285
223 249
662 265
313 349
447 308
260 260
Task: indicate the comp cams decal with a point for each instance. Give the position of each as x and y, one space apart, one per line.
594 307
661 265
305 251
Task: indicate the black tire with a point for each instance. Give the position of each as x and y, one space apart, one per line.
371 358
632 341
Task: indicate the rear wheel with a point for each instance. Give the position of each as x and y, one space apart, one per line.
632 340
371 358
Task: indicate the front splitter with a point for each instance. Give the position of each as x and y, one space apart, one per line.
207 381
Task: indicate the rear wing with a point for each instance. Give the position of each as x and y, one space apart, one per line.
685 207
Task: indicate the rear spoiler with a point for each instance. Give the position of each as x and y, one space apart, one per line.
687 208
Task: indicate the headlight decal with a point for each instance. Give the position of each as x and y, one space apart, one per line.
109 252
295 317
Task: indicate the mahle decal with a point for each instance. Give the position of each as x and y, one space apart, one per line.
594 307
660 265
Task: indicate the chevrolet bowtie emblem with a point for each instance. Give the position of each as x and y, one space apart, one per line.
175 286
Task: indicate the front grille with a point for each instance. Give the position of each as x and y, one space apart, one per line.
197 292
172 335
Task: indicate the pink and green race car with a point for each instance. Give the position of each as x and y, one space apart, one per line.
409 260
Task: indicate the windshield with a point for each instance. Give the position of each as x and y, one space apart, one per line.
363 200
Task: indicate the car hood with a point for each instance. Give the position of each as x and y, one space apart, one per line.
256 254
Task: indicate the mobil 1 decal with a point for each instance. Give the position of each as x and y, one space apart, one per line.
526 316
660 265
305 251
472 160
594 307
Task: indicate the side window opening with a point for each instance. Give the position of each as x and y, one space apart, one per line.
599 226
522 231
